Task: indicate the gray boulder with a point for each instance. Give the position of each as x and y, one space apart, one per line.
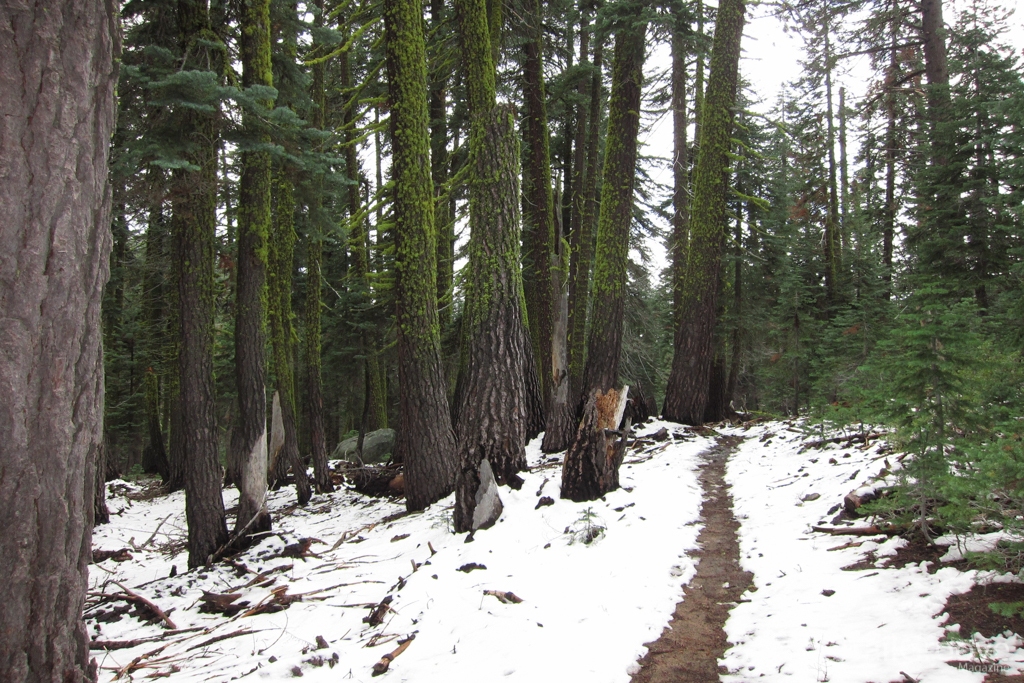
377 446
488 503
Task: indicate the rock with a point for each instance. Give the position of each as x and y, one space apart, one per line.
810 496
376 447
828 592
488 503
660 435
546 500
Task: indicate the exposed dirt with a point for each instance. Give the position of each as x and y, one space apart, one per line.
689 649
971 609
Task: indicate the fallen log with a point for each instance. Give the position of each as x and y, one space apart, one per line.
385 661
863 437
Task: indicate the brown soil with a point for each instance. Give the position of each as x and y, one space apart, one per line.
689 649
971 609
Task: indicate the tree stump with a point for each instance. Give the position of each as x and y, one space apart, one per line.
592 462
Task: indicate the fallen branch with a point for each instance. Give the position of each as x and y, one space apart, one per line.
155 531
375 617
858 531
217 639
132 596
385 661
863 437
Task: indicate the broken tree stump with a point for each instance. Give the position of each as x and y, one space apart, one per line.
592 462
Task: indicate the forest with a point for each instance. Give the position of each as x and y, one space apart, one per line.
335 217
456 242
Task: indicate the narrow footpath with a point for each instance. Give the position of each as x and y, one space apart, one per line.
689 649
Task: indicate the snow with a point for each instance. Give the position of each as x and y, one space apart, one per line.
587 608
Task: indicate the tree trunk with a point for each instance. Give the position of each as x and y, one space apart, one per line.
439 165
282 247
58 76
678 246
605 339
426 442
538 204
579 298
248 447
154 458
591 463
492 418
314 395
686 396
194 223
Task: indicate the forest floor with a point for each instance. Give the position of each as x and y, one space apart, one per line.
731 536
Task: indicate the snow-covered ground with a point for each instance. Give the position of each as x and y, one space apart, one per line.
587 608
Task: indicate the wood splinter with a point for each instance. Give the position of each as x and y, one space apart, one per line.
506 597
385 661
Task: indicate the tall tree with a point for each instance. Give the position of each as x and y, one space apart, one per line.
426 441
587 472
193 224
249 433
492 395
59 75
686 396
538 202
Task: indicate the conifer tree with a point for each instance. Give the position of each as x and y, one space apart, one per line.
687 394
426 442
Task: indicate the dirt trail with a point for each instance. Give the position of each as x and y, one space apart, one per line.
689 649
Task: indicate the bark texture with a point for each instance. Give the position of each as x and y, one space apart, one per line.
193 223
492 417
249 433
426 442
686 396
538 203
604 343
56 117
592 462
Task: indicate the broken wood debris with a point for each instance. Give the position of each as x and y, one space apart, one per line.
376 617
506 597
385 661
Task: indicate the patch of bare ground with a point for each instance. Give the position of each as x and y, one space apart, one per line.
690 647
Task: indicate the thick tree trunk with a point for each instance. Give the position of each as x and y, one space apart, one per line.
248 447
439 165
492 417
686 396
592 462
426 442
58 77
193 224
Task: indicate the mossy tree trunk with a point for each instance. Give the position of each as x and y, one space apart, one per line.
679 242
492 398
248 447
193 224
686 396
439 166
426 441
492 417
282 248
538 203
58 75
314 393
583 240
591 463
